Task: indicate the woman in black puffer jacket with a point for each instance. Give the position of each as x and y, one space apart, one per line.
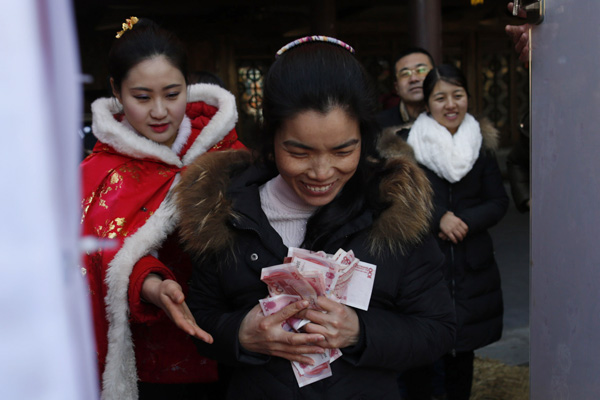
458 155
318 185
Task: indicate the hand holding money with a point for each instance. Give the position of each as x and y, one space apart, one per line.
338 324
329 285
265 334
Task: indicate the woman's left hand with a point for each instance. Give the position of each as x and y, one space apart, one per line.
452 228
168 295
337 322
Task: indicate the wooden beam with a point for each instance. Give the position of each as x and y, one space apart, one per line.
323 18
426 26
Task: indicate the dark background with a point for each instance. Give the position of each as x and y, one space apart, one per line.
237 41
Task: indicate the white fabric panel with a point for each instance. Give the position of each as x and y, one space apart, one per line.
46 344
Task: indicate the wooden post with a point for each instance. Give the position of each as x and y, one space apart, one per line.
323 18
425 28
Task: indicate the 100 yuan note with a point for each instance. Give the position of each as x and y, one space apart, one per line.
285 279
273 304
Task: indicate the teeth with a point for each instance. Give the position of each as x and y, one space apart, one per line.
320 189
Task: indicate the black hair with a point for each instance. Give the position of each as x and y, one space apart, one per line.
320 76
413 50
144 41
447 73
205 77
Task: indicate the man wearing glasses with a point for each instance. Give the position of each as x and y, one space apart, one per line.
410 70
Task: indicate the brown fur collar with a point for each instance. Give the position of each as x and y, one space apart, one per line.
390 145
491 135
205 210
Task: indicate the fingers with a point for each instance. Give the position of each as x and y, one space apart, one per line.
511 31
522 13
517 32
327 304
522 42
329 309
294 357
453 228
266 335
290 310
182 317
524 55
293 346
520 36
303 341
195 330
338 323
178 311
173 290
452 238
456 236
461 230
199 333
300 343
202 335
320 328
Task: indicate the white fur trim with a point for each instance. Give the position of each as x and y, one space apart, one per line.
124 140
119 381
185 130
220 124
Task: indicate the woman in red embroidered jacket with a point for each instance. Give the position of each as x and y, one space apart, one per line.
147 134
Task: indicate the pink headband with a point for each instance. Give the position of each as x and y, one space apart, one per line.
307 39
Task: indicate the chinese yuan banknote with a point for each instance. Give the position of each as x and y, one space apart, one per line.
306 275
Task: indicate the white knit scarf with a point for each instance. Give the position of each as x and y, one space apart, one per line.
450 156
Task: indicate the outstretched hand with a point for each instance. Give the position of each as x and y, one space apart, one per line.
519 35
265 335
168 295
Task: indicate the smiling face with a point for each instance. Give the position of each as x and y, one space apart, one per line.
316 154
448 105
154 98
410 87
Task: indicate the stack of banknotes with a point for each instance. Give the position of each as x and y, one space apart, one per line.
306 275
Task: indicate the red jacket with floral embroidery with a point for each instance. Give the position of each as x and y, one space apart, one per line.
127 203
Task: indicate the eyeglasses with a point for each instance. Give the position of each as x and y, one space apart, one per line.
407 72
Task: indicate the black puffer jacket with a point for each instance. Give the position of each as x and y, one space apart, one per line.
480 200
410 319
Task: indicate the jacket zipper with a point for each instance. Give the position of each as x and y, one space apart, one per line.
453 280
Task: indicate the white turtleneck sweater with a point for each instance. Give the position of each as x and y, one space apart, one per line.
286 212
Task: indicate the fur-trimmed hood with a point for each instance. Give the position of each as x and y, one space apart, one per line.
392 142
205 209
125 140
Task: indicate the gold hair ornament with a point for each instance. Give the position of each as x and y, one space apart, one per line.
127 25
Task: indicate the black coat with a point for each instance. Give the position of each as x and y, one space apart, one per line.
410 319
390 117
480 200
